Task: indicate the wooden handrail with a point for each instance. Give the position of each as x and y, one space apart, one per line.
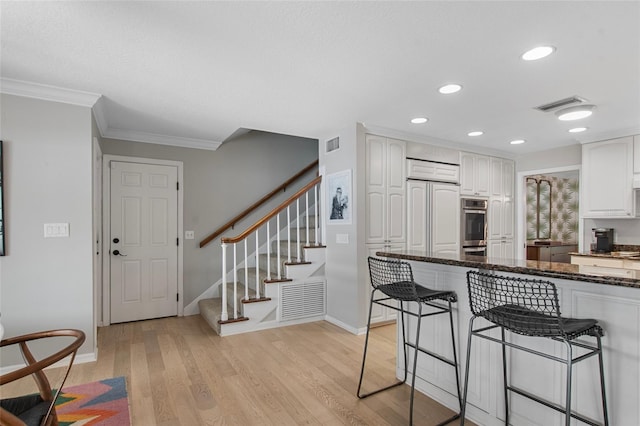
257 204
274 212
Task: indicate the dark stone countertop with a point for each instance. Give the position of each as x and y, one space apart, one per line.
564 271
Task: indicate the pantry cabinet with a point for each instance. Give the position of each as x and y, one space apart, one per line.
607 179
474 174
500 229
385 190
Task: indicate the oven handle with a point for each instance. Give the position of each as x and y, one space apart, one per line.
474 249
475 211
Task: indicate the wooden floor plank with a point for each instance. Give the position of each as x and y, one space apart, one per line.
179 372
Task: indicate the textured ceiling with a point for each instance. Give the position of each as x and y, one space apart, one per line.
203 70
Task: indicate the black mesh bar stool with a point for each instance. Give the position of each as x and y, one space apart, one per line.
393 281
530 308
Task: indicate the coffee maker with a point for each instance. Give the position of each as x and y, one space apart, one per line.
603 238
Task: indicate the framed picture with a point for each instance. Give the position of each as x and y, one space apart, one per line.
338 203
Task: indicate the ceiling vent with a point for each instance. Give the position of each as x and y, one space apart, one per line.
574 100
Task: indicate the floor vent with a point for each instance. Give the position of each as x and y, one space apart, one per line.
573 100
333 144
302 300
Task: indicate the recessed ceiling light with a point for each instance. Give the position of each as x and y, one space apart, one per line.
538 53
476 133
577 130
449 88
419 120
575 112
517 142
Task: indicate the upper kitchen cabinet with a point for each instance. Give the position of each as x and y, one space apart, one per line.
474 174
607 179
385 190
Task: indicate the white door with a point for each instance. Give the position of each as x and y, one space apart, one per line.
445 219
144 241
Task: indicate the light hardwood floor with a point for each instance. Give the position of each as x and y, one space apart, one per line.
179 372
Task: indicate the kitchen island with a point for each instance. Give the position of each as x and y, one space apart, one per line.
614 301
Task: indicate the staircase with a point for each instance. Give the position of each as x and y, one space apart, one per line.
274 274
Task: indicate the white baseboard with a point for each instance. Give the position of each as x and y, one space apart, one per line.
345 326
80 359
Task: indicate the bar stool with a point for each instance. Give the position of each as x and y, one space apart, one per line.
394 279
530 307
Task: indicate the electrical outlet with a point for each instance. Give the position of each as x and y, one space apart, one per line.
55 230
189 235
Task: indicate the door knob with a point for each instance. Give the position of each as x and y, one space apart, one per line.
116 241
117 253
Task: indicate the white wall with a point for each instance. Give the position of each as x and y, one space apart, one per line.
346 297
46 283
554 158
626 231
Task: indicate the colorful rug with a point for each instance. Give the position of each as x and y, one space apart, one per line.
102 403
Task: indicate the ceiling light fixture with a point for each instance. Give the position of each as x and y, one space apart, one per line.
475 133
517 142
575 112
419 120
577 129
538 53
450 88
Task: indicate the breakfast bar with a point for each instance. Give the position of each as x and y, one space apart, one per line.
614 300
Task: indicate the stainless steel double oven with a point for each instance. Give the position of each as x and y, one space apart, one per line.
473 235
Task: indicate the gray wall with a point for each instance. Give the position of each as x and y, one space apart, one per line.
220 184
46 283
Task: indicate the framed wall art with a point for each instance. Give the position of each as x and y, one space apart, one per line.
338 203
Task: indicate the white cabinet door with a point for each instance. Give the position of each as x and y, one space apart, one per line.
375 189
636 154
494 217
474 175
417 216
496 180
445 219
503 249
395 186
508 177
607 175
507 218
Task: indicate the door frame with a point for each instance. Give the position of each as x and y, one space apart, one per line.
521 211
106 216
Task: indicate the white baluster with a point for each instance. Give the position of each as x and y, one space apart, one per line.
224 315
268 253
278 246
246 272
289 234
257 267
315 196
306 215
235 283
298 229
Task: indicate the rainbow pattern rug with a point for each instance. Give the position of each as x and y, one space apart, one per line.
103 403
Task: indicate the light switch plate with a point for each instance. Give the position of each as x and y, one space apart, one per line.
342 238
189 235
56 230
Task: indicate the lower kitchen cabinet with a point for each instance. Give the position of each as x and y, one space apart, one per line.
503 248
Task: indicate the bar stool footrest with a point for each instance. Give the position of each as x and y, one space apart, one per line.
553 405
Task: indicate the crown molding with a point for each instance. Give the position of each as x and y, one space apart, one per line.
48 93
602 136
144 137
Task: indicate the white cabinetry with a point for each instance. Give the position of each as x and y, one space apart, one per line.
474 174
607 176
501 209
385 190
433 217
385 211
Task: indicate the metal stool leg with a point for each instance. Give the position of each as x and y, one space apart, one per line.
415 363
567 420
466 373
604 396
455 356
504 377
364 355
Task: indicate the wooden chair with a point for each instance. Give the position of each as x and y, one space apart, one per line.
36 409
